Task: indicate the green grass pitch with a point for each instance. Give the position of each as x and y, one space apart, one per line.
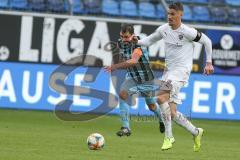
37 135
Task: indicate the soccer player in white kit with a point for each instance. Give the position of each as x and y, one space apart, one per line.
179 50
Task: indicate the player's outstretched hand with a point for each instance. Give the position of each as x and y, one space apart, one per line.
108 69
208 69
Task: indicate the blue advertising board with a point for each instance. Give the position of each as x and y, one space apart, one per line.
26 86
226 51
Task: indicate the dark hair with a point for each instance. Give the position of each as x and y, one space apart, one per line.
176 6
127 28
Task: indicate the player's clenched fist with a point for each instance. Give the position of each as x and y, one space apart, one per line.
135 39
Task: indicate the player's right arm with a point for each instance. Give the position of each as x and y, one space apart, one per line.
152 38
137 53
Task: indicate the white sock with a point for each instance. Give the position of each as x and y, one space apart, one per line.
166 117
181 120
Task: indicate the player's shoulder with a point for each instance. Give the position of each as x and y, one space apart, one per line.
188 29
162 27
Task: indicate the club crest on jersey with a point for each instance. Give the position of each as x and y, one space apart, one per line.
180 36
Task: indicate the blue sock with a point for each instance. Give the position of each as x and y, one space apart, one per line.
124 113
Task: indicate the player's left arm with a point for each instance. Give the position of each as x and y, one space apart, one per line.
200 37
137 53
208 69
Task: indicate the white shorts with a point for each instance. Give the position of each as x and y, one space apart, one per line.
178 79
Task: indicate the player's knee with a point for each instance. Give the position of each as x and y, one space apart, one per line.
162 99
123 95
152 107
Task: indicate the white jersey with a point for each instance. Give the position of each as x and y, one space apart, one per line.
179 49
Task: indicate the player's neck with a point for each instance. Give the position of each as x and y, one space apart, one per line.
175 27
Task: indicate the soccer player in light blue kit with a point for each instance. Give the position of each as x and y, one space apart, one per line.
179 49
139 73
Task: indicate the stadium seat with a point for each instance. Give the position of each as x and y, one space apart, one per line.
37 5
217 2
233 2
187 16
201 1
144 0
185 1
147 9
200 13
161 13
128 8
110 7
190 1
56 5
92 6
19 4
77 7
4 4
218 14
234 15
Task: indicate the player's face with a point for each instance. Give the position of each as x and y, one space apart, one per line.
174 17
126 37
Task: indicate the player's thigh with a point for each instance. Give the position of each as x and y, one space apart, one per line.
164 92
175 92
125 88
163 97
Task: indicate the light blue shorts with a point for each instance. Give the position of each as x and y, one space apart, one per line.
147 89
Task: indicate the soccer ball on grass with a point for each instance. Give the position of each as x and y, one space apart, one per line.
95 141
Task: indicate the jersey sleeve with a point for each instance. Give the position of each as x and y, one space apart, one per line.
160 30
152 38
192 34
